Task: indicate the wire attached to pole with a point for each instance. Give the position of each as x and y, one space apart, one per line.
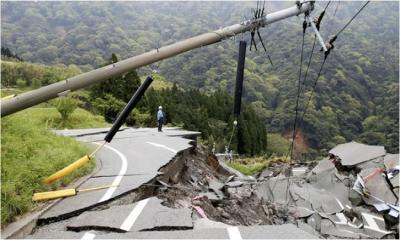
233 131
348 23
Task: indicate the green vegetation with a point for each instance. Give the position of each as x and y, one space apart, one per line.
30 152
252 166
360 78
31 76
66 106
211 114
277 144
51 118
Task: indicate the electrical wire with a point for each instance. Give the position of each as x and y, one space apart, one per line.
323 63
348 23
308 65
298 90
312 93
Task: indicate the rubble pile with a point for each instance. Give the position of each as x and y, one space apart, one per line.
352 194
217 193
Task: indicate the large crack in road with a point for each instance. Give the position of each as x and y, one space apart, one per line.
194 195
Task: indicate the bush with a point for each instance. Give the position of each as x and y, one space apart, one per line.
21 83
277 144
66 106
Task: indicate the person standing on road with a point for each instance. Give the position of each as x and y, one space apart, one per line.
160 118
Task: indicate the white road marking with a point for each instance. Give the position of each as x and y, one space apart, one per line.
130 220
88 236
162 146
369 219
340 204
110 191
371 223
118 179
234 233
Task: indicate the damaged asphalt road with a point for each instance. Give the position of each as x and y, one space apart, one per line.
172 189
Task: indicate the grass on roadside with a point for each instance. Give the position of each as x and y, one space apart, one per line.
51 118
251 166
30 152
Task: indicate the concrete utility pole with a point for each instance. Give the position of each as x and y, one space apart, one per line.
28 99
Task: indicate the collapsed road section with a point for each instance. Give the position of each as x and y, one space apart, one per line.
195 196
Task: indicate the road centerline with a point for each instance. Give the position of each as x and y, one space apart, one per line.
162 146
117 179
88 236
234 233
131 219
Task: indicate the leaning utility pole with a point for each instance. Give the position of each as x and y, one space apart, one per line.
28 99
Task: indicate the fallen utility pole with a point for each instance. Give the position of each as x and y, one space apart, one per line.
29 99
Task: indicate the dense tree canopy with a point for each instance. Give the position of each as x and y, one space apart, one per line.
359 83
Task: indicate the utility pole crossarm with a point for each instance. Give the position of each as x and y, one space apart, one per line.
34 97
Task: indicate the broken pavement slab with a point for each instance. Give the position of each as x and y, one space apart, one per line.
275 190
73 205
353 153
391 162
216 186
129 161
298 171
320 199
377 186
284 231
322 166
154 216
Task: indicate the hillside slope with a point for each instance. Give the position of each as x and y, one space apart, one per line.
359 83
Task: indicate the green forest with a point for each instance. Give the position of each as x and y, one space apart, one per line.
356 98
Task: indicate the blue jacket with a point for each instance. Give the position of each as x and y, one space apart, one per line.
160 115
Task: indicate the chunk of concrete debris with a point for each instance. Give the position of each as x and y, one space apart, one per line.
216 187
353 153
276 190
335 230
391 161
265 174
320 199
393 176
302 212
322 166
377 187
234 184
299 171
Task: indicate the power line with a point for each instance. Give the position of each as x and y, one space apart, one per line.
309 63
298 90
312 92
348 23
330 47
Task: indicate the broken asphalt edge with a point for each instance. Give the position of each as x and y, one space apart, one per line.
40 222
27 222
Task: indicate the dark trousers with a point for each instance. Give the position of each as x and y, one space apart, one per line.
160 122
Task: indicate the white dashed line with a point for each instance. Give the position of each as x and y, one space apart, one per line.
130 220
88 236
162 146
340 204
115 183
118 179
234 233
